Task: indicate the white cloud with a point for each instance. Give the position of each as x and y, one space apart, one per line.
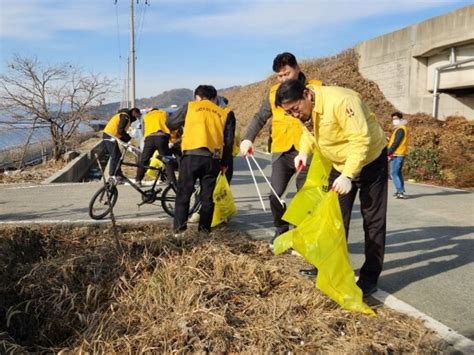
42 19
285 18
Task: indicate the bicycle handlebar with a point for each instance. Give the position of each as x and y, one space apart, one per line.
130 147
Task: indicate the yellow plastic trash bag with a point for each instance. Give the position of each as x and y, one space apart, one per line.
224 206
312 191
320 239
156 163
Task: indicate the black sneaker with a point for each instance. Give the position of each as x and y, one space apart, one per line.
401 196
367 287
311 273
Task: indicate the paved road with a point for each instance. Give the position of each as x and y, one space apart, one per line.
430 243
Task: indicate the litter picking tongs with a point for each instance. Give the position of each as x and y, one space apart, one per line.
292 180
255 181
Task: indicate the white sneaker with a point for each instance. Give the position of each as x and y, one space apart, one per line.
179 235
195 217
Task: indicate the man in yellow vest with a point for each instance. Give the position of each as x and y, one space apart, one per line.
348 134
208 136
397 150
117 127
285 137
228 162
157 137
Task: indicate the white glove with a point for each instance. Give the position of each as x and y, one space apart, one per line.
300 161
246 147
342 185
170 145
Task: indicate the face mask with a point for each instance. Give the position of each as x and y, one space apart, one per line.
396 122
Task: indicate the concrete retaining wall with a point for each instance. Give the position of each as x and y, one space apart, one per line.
402 63
77 169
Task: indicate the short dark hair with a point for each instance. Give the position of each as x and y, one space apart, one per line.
283 59
397 114
206 92
289 91
136 110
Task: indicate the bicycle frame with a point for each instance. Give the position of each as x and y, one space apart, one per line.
164 194
121 162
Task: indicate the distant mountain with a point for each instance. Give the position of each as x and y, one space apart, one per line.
163 100
224 90
167 98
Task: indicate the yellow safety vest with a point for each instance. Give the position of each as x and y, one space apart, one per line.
286 129
204 127
155 121
112 126
402 149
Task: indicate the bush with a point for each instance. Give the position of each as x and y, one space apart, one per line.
423 164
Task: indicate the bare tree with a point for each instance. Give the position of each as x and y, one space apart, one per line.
58 95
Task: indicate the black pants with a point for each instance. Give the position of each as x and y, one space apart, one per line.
282 170
153 143
205 169
114 152
372 185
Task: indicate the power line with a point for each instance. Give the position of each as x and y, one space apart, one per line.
141 21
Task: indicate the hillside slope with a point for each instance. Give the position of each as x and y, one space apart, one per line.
442 151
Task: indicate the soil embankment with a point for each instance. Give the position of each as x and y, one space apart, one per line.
442 151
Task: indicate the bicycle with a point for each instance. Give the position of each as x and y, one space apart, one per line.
100 207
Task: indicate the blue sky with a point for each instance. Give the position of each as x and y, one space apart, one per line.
184 43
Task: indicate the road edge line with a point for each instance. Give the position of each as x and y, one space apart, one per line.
453 338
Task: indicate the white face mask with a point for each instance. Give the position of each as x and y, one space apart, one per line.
396 122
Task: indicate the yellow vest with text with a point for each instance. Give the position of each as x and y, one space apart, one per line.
155 121
402 149
204 127
112 126
286 129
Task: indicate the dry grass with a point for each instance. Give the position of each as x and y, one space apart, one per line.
32 174
67 289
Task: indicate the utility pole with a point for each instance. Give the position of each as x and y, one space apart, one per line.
132 56
127 85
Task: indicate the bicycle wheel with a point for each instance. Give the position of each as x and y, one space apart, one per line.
168 200
99 207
